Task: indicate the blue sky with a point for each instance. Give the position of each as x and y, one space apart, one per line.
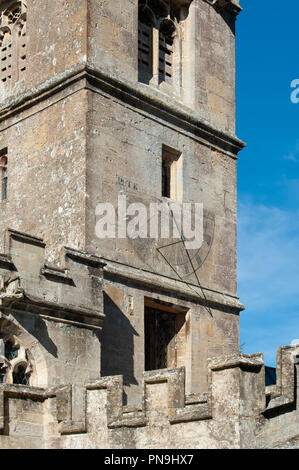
268 175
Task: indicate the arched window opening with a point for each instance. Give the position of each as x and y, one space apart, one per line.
10 351
145 43
158 43
13 42
15 365
20 376
14 13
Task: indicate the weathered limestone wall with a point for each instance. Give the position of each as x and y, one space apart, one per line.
123 146
46 170
26 418
214 55
125 157
208 55
54 314
112 37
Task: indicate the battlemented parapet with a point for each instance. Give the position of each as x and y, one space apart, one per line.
235 413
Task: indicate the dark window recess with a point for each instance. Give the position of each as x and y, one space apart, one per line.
166 178
270 376
10 352
4 184
144 47
19 376
166 40
165 59
4 172
2 375
160 330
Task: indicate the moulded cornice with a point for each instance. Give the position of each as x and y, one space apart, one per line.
232 5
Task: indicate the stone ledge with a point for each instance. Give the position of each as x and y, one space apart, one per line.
28 285
248 362
138 92
159 282
166 106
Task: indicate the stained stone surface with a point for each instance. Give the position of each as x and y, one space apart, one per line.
79 128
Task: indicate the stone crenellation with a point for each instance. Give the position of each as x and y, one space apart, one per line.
75 411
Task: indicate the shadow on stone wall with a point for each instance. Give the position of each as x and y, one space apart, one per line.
117 339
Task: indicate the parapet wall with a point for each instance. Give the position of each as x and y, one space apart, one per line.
73 293
237 412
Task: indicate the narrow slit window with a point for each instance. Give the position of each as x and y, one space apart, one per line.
166 178
171 173
4 177
2 374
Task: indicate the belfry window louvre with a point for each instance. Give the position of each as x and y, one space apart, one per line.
145 41
166 33
13 41
157 32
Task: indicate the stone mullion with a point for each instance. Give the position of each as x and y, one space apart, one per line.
155 79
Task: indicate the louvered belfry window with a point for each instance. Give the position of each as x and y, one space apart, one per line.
13 42
166 33
158 25
145 42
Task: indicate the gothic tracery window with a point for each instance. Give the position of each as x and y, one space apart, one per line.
158 35
15 366
13 41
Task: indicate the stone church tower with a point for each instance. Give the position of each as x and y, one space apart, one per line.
113 341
